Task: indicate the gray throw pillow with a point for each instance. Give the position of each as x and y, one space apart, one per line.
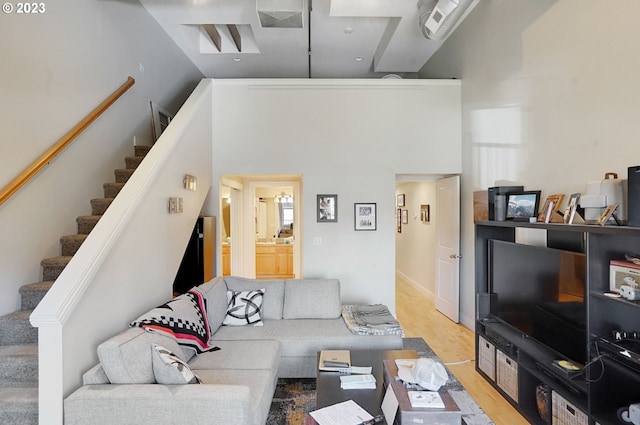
169 369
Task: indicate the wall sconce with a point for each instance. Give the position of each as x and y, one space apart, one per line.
190 182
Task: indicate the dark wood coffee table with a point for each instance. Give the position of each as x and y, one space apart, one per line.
328 389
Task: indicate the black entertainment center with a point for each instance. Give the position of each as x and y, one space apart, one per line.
549 335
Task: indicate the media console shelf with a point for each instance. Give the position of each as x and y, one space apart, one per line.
519 359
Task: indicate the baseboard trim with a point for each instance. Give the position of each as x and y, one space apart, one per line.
415 285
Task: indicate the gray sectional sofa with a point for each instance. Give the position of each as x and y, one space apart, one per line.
299 318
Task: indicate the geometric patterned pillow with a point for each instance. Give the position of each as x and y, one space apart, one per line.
169 369
244 308
183 318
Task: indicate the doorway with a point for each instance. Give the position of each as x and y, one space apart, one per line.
420 235
261 228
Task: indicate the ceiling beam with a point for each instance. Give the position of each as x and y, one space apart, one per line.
214 35
235 35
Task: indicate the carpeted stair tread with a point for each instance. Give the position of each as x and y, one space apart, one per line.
19 366
71 243
112 189
100 205
86 223
122 175
132 162
53 266
32 294
141 150
18 339
16 329
19 406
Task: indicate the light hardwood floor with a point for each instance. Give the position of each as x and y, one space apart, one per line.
452 343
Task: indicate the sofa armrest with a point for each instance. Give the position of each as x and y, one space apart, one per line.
156 404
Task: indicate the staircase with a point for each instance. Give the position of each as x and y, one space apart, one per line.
18 339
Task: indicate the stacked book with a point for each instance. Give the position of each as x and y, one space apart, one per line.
357 382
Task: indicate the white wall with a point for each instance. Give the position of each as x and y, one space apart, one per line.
416 244
550 96
55 68
345 137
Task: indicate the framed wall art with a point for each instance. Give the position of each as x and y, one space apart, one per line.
160 119
327 208
425 213
365 216
400 200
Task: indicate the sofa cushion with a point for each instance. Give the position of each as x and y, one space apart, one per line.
244 308
95 376
184 318
215 291
312 299
305 337
169 369
257 354
261 385
273 293
126 357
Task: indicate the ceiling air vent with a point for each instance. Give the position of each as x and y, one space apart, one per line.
438 18
280 13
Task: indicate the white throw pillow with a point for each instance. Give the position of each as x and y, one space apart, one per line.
244 308
169 369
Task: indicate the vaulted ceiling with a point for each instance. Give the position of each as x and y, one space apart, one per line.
303 38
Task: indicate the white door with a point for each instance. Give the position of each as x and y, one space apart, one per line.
448 250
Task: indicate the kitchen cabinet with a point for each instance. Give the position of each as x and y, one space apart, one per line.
274 261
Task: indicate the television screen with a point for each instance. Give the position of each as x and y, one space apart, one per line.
540 292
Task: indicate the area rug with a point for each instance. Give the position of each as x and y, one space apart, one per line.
295 398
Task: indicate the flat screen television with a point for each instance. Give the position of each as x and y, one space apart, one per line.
540 292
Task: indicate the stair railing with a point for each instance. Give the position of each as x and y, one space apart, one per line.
62 143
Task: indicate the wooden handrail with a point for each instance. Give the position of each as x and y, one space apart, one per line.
62 143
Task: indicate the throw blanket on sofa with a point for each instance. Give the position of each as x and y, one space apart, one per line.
371 320
184 318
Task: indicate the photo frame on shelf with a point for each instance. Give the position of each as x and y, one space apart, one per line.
572 205
364 216
556 200
606 215
521 206
548 211
405 216
327 208
400 200
425 213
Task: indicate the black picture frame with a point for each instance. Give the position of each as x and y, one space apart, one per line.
521 206
364 216
327 208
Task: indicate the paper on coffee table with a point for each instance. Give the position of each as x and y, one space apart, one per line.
345 413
